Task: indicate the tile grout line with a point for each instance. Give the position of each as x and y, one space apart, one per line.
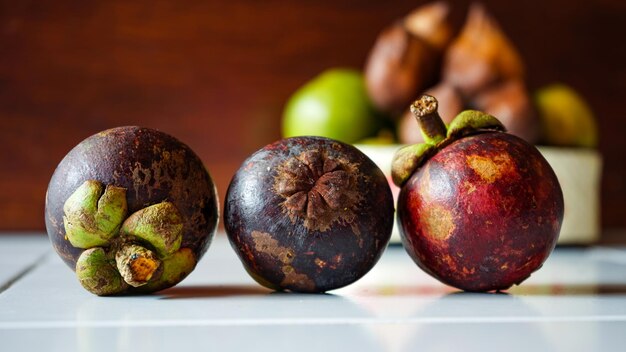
38 261
303 322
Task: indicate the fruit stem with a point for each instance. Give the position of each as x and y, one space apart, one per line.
432 126
136 264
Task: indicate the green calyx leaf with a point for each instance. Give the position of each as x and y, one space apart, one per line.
93 214
472 121
174 269
97 274
159 225
407 160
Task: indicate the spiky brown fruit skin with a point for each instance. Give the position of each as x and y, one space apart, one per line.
483 213
308 214
153 167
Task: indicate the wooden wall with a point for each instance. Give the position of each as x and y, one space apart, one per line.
215 74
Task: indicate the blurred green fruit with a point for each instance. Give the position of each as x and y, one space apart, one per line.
334 104
566 118
383 138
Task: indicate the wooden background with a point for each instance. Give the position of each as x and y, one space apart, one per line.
216 74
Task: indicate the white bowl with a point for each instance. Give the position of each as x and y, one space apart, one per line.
578 170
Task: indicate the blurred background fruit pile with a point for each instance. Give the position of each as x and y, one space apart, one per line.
472 67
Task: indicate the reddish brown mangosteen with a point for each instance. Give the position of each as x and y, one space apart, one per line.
131 209
308 214
479 209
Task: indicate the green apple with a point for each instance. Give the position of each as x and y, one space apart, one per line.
334 104
566 118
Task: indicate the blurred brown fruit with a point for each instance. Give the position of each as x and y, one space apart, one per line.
481 55
430 22
511 104
405 58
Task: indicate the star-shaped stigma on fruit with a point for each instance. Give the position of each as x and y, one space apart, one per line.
319 189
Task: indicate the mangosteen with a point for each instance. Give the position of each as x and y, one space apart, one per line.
479 209
131 209
308 214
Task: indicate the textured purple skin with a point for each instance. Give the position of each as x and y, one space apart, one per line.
483 213
152 166
280 251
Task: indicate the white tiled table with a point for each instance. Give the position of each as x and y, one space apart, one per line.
576 302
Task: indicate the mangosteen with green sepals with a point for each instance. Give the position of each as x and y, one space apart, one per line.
131 210
479 209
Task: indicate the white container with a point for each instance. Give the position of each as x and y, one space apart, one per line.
578 170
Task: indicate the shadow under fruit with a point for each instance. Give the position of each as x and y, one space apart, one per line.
131 209
308 214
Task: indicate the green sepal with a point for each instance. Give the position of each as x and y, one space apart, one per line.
93 214
97 274
407 160
471 121
159 225
175 268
